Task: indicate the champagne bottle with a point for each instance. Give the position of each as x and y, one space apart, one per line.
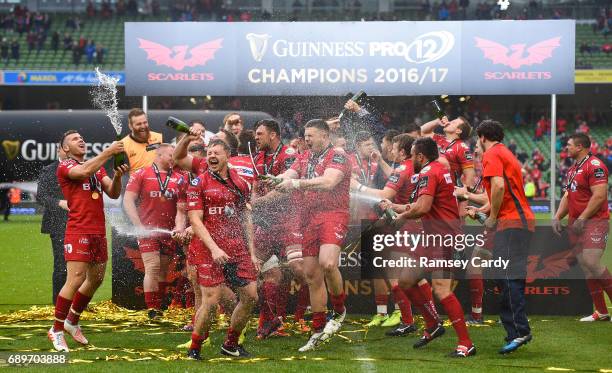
273 179
390 214
481 217
437 109
118 159
359 98
177 125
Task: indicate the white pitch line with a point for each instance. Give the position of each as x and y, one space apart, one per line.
367 365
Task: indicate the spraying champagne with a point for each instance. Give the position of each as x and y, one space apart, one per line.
273 179
118 159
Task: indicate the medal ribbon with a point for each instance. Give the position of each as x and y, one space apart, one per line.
232 188
578 166
163 186
313 161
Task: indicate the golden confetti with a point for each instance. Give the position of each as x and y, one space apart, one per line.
560 369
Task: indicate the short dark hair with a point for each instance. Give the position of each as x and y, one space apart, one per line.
426 146
390 135
411 127
232 141
465 127
136 112
404 142
491 130
270 124
219 142
246 140
362 136
66 134
318 124
581 139
197 121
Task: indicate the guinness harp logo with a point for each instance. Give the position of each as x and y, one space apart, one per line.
11 148
258 44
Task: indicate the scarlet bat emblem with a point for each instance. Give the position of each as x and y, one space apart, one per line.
513 56
174 57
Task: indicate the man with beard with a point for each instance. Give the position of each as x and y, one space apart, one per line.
140 137
585 201
323 174
85 250
220 216
150 202
437 208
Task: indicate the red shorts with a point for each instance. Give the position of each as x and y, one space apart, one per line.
240 272
594 236
195 252
274 241
165 245
91 248
324 228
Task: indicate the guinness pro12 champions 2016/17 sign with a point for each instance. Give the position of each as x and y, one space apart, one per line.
332 58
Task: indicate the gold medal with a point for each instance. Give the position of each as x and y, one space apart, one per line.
163 199
95 195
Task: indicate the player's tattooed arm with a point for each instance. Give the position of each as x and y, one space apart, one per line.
197 224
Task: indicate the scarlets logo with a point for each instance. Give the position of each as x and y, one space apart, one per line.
517 55
499 54
175 57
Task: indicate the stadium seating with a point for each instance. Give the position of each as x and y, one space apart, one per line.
109 33
598 60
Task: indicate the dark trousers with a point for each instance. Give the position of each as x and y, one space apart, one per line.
59 264
513 245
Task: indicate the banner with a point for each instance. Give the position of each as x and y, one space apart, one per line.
333 58
27 77
594 76
546 293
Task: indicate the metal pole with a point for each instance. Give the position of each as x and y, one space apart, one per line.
145 103
553 152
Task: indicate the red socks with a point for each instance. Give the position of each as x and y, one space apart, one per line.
404 304
318 321
269 291
161 290
337 302
476 293
415 296
597 294
606 283
196 341
232 338
427 294
79 303
62 306
303 300
152 299
455 314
